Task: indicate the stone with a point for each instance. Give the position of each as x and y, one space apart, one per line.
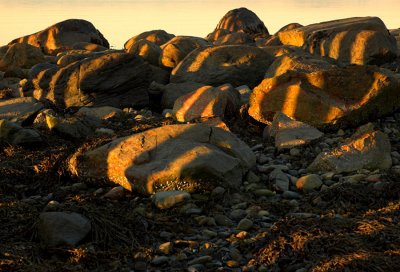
173 157
63 35
368 150
68 57
223 220
99 113
206 102
173 91
200 260
309 183
327 98
169 199
235 38
176 49
160 260
16 135
223 64
71 127
115 193
21 56
62 228
158 37
245 224
147 50
244 92
88 46
218 192
289 133
359 40
280 179
20 110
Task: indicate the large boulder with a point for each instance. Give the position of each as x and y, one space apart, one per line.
186 157
15 134
114 79
20 110
217 65
63 35
147 50
361 40
207 102
328 97
22 56
158 37
175 50
235 38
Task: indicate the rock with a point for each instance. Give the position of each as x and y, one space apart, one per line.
16 135
71 127
115 193
114 79
173 91
63 35
234 39
223 220
263 192
183 157
360 40
242 20
20 110
169 199
244 92
218 65
245 224
99 113
176 49
157 37
147 50
370 150
289 133
62 228
308 183
14 72
218 192
160 260
207 102
280 179
200 260
20 55
88 46
327 97
68 57
288 27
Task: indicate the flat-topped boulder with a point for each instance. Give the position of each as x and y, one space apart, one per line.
63 35
328 97
188 157
360 40
157 37
19 110
217 65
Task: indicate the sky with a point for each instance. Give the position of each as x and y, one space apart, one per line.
120 20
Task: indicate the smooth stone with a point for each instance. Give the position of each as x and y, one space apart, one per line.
309 182
245 224
168 199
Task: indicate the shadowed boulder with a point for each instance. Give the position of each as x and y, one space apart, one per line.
63 35
147 50
20 55
20 110
235 38
157 37
174 157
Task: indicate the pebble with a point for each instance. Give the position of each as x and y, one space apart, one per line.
168 199
218 192
264 192
160 260
200 260
232 263
196 268
295 152
115 193
223 220
309 182
166 248
210 233
245 224
237 214
291 195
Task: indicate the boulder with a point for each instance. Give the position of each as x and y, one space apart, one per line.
176 49
187 157
217 34
157 37
173 91
243 20
289 133
147 50
22 56
169 199
63 35
99 113
68 57
114 79
20 110
17 135
288 27
235 38
206 102
360 40
62 228
328 97
217 65
368 150
88 46
72 127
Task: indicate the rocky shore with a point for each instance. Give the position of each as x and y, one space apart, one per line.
240 151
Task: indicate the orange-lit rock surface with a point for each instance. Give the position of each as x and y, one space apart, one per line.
157 37
147 50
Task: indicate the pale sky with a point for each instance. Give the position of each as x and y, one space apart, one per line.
119 20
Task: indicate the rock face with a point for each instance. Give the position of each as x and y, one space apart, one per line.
176 49
16 135
157 37
147 50
63 35
173 91
20 110
61 228
234 64
206 102
173 157
235 38
290 133
242 20
363 40
115 79
92 47
326 98
368 150
22 56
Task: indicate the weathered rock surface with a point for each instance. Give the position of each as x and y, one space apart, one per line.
176 49
63 35
157 37
234 64
327 97
234 38
62 228
360 40
289 133
173 157
71 127
115 79
368 150
16 135
20 55
99 113
88 46
206 102
147 50
20 110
